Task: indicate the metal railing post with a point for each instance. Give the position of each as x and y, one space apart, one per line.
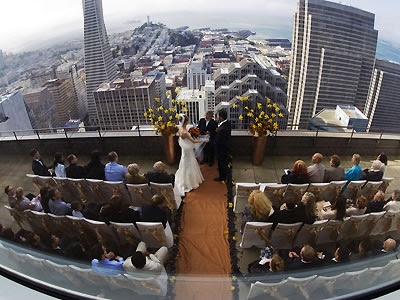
139 130
380 137
65 132
98 129
15 135
37 133
351 137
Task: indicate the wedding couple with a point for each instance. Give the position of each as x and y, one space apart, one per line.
189 176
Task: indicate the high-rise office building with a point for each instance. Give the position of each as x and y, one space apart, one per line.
1 60
209 89
383 103
64 99
99 63
333 55
42 109
198 72
74 74
13 113
196 103
122 102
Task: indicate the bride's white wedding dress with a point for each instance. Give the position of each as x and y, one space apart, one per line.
188 177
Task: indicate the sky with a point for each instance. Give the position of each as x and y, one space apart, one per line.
31 24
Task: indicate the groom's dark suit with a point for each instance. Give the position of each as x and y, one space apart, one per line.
223 145
211 129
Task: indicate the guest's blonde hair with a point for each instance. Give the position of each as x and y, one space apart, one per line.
19 193
259 204
133 169
277 263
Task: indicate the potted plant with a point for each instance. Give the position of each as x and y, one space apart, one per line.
164 120
262 118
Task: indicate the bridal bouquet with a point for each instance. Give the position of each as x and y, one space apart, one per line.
165 119
262 116
194 132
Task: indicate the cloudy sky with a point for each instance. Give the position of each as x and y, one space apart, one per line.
27 24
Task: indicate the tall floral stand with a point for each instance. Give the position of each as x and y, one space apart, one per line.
259 143
169 149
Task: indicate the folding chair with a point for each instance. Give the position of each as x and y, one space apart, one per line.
371 188
251 238
274 192
243 191
385 183
140 194
99 196
153 234
297 189
318 189
333 191
308 233
284 234
328 233
166 189
353 189
111 188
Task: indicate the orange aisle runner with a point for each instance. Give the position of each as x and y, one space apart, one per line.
203 243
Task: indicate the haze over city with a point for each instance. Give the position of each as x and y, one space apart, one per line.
29 25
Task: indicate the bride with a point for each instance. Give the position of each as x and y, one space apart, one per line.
188 177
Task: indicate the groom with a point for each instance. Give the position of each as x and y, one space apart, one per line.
223 145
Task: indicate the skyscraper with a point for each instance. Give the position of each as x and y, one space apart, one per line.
99 63
383 103
333 55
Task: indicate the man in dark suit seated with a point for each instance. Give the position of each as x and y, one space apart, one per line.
159 174
38 166
73 170
155 212
373 174
377 203
306 260
208 126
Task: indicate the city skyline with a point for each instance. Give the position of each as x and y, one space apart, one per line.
56 21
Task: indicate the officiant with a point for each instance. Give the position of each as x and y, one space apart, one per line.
208 126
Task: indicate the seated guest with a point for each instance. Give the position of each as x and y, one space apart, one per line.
51 243
147 262
105 262
337 210
133 176
394 204
388 246
38 166
307 259
23 203
12 197
159 174
342 254
258 209
77 209
44 199
377 203
306 211
288 214
317 170
8 234
354 173
373 174
95 169
58 165
297 175
118 211
114 171
364 250
334 172
359 209
73 170
56 205
382 157
155 212
36 204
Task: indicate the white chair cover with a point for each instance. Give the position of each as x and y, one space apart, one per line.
385 183
353 189
111 188
323 287
395 226
297 189
46 181
383 224
308 233
153 234
266 290
318 189
243 191
166 189
146 286
83 190
329 232
68 191
335 187
370 188
251 238
140 194
284 234
105 233
274 192
97 191
126 232
35 181
19 218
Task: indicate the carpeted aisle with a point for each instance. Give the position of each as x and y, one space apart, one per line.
203 243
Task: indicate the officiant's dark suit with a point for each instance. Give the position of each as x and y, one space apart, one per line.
223 145
208 127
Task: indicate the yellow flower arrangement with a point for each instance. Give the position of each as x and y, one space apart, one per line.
164 119
262 116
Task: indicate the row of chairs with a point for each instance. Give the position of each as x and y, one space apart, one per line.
289 236
86 281
80 229
324 287
322 191
100 192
